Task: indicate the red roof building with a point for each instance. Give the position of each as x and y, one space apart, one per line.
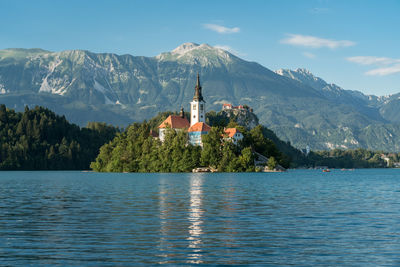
196 131
199 127
233 134
227 106
231 131
230 106
174 122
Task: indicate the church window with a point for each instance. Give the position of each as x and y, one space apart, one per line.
194 107
201 107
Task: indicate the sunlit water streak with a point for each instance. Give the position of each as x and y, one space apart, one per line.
294 218
195 218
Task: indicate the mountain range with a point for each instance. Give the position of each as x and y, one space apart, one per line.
119 89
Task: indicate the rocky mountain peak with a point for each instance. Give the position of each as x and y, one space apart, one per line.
298 74
192 53
184 48
304 76
329 90
304 71
191 47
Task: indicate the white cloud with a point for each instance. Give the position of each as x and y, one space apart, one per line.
309 55
229 49
384 71
319 10
221 29
367 60
315 42
221 102
384 65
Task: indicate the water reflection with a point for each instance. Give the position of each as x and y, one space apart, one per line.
195 218
163 211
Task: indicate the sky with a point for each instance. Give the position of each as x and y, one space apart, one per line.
352 43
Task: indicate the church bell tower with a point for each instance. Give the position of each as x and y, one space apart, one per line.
197 106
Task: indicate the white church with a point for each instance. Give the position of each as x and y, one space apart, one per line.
197 126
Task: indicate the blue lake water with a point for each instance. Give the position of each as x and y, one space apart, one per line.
293 218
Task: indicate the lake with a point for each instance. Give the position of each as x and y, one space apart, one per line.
301 217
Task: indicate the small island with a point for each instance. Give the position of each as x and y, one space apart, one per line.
183 146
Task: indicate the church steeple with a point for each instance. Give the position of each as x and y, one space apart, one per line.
197 106
197 91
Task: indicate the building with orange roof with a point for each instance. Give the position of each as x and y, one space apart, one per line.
199 127
196 131
178 123
240 107
227 106
233 135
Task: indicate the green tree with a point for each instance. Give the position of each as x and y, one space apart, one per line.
229 161
272 163
3 114
246 160
211 153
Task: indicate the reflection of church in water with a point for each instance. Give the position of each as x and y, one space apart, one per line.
190 220
197 126
190 231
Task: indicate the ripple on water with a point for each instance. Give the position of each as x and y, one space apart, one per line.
293 218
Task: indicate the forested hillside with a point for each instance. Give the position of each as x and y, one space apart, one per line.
38 139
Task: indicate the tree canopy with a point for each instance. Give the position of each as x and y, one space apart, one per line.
38 139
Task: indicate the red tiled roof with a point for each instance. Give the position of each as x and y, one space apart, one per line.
199 127
231 131
227 105
175 122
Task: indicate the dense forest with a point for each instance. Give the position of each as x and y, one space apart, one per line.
352 158
38 139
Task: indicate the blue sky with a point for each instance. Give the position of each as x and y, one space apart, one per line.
354 44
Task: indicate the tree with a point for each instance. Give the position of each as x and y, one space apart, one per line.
211 153
246 160
229 161
3 114
272 163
